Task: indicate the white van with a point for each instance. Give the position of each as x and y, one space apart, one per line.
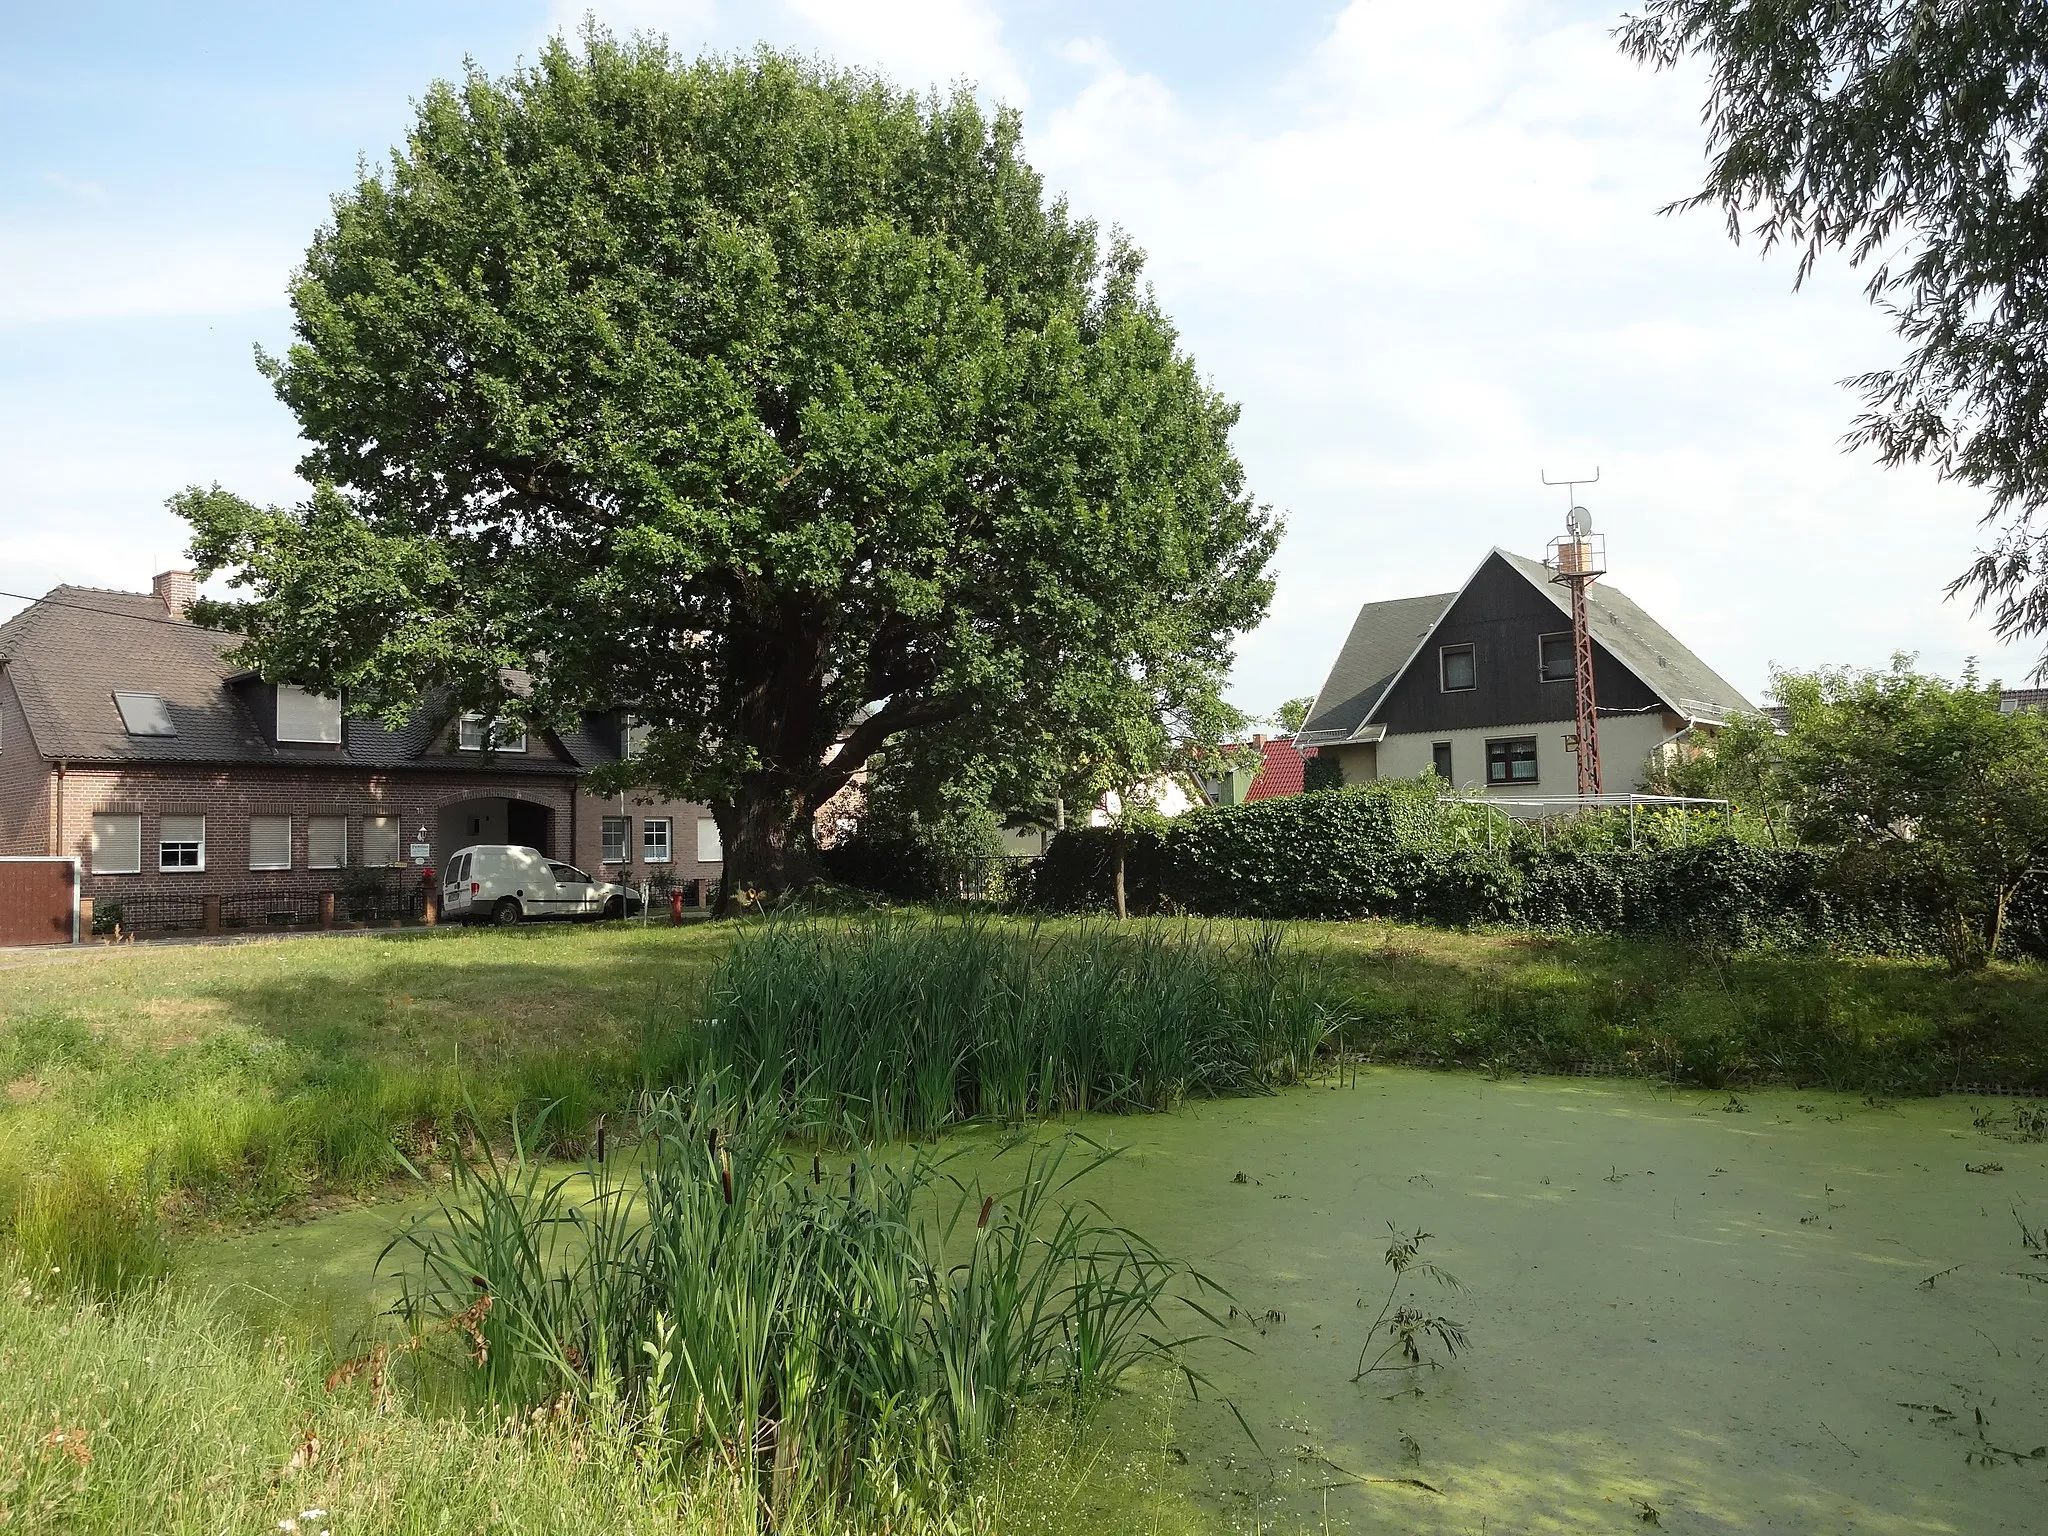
498 883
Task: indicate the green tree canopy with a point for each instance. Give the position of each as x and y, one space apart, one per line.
769 402
1913 137
1923 780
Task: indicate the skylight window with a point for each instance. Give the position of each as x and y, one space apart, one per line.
145 714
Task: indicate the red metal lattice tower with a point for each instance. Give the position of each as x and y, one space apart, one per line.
1576 561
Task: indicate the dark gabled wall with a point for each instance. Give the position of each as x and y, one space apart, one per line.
1502 617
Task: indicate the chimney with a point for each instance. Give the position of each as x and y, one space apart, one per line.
176 590
1259 741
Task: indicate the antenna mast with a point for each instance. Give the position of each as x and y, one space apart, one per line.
1576 561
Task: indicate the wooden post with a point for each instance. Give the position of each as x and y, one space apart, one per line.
327 909
85 919
430 909
700 892
209 914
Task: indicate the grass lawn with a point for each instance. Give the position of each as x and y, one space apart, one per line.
155 1100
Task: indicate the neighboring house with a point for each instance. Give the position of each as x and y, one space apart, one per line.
1478 685
1280 770
128 741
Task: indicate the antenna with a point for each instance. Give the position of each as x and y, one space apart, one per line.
1576 561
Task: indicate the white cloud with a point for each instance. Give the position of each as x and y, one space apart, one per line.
919 43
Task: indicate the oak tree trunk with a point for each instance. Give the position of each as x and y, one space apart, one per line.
762 830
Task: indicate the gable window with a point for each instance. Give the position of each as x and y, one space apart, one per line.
270 842
654 840
1440 759
181 843
616 835
474 731
380 842
1456 669
145 714
1512 761
117 845
632 738
709 849
303 716
1554 658
326 842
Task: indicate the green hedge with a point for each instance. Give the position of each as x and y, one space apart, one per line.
1391 850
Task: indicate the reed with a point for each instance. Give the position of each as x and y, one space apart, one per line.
899 1026
803 1328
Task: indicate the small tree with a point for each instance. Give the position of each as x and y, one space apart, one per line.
1927 779
1292 715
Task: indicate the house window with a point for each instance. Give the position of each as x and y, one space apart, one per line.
1512 761
181 843
1457 669
326 842
474 730
1440 759
633 738
117 845
615 835
1555 664
303 716
380 842
270 842
654 840
709 850
145 714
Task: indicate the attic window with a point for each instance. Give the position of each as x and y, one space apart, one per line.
145 714
303 716
472 732
1459 670
1555 664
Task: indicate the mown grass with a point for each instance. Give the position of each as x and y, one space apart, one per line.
164 1415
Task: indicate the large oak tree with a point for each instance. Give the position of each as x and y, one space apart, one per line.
768 402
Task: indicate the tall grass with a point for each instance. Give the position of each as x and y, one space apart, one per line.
898 1026
828 1339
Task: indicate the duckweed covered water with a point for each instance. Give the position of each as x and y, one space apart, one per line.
1786 1311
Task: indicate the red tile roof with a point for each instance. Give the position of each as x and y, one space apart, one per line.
1281 773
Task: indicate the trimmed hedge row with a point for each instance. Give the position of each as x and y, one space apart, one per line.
1381 850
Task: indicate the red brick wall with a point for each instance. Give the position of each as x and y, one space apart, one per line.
229 797
24 781
682 815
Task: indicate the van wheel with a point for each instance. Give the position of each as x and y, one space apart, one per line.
615 909
506 913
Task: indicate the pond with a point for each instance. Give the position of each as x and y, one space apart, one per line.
1781 1311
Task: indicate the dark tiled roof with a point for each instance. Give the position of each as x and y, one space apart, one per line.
1382 638
69 654
1688 685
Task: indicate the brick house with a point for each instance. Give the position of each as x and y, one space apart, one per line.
127 741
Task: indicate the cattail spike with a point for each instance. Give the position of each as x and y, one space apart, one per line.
988 1203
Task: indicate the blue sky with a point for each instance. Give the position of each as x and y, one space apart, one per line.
1419 244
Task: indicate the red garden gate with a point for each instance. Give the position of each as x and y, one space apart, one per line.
38 901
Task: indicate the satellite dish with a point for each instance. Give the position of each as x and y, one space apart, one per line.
1578 522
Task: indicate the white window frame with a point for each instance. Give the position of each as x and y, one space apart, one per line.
313 860
716 855
469 735
287 864
657 831
165 842
623 825
1443 671
102 861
